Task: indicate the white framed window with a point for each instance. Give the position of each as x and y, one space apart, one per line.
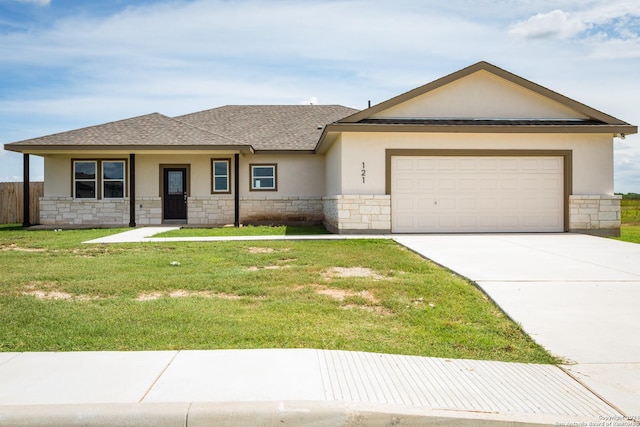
85 179
113 179
264 177
220 176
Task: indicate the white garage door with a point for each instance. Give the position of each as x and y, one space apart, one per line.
477 194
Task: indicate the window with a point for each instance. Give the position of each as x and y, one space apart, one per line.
263 177
99 179
220 179
113 179
84 179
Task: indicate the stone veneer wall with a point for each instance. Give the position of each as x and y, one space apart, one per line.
69 211
148 211
595 214
346 214
214 210
292 209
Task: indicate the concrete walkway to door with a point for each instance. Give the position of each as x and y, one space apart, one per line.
577 295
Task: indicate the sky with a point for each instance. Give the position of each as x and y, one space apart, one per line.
66 64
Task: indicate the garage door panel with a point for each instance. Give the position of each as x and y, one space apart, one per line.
404 165
427 184
425 164
424 204
403 203
477 194
489 184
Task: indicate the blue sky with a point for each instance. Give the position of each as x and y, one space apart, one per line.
66 64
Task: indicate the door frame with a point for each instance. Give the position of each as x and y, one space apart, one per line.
161 169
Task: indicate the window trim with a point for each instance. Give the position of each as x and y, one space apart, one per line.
213 176
123 179
275 176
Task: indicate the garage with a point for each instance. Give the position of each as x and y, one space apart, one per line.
466 194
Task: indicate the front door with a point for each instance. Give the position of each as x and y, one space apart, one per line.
175 193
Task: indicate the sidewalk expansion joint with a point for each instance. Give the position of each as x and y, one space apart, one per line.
591 390
146 393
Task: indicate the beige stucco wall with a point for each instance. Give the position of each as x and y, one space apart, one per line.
333 167
298 175
592 156
57 176
481 95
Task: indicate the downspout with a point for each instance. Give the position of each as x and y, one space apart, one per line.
26 212
132 190
236 184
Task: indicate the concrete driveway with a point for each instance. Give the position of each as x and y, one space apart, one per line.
576 295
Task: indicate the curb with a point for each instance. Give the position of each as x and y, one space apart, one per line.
274 413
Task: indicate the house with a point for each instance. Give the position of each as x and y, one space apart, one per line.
480 150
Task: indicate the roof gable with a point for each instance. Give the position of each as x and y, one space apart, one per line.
482 91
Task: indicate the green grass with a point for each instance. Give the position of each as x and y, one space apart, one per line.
630 211
277 294
629 233
630 219
249 230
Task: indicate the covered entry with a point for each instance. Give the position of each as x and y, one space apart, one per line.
478 193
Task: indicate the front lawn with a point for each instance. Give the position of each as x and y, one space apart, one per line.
630 218
57 294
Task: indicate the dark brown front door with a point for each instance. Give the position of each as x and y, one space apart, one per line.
175 193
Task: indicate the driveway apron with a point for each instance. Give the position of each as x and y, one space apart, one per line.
576 295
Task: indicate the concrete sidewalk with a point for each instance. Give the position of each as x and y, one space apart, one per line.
295 386
145 234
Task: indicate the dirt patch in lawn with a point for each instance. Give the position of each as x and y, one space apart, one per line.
351 272
253 250
45 292
342 294
257 250
16 248
181 293
373 303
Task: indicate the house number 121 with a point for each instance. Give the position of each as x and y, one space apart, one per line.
363 173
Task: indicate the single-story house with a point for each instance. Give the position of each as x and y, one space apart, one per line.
479 150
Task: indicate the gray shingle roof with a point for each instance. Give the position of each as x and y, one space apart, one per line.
270 127
261 127
150 130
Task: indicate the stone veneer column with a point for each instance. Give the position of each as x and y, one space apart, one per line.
350 214
595 214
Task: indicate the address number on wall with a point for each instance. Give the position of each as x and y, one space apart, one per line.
363 173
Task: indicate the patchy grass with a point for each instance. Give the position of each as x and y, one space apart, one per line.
629 233
368 295
630 219
248 230
630 211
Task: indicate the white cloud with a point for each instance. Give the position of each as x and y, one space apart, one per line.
607 19
549 25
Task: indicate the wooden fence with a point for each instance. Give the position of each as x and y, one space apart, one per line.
11 211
